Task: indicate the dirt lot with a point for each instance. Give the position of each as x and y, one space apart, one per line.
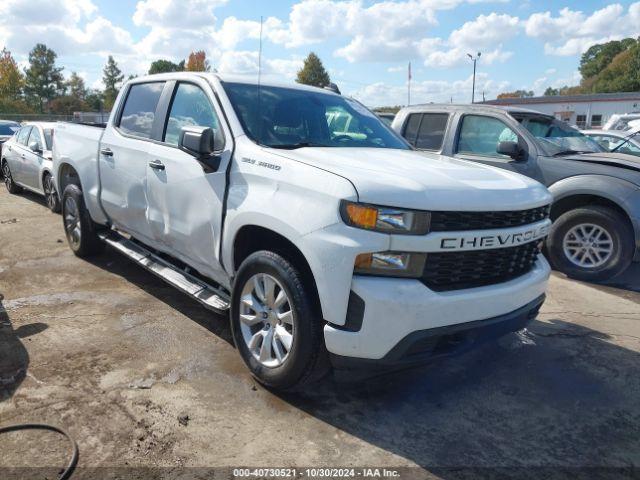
115 356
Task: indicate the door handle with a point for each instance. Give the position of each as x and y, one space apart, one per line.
156 164
107 152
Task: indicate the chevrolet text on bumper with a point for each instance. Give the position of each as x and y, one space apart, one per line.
321 242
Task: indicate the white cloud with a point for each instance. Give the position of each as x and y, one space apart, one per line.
175 13
572 32
245 63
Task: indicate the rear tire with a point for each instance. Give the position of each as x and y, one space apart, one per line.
591 243
8 179
80 230
50 194
271 303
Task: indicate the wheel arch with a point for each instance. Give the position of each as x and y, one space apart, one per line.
252 238
67 175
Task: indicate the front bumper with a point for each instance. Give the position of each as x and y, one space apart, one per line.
395 310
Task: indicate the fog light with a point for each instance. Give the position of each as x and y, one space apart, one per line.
391 264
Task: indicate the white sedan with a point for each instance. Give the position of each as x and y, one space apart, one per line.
621 141
26 162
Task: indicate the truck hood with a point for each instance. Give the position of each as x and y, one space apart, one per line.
405 178
614 159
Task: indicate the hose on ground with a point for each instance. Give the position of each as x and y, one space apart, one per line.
41 426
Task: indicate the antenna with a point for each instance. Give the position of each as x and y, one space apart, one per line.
260 86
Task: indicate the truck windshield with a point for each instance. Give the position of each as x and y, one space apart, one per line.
281 117
557 138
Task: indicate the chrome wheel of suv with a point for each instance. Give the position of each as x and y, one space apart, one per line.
588 245
72 224
266 320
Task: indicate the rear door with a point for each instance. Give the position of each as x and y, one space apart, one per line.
18 153
185 199
123 159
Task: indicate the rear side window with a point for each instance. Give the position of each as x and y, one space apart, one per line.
23 135
35 138
431 132
139 109
411 129
191 106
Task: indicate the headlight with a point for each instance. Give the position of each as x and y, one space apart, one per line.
391 264
385 219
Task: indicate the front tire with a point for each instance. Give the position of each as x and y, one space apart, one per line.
8 179
591 243
275 327
80 230
50 194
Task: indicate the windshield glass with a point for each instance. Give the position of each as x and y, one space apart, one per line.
9 128
292 118
557 138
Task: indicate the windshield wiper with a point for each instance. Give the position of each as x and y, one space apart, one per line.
293 146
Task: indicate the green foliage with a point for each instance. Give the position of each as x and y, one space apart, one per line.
43 80
517 94
164 66
8 105
549 92
94 100
66 105
76 86
11 79
313 72
111 77
600 56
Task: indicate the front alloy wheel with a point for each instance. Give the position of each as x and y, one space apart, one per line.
50 194
72 225
8 179
588 245
266 320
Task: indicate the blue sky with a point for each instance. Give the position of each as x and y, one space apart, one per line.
364 44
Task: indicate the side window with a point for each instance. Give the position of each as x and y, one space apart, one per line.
23 135
431 132
139 109
35 137
481 135
411 128
191 106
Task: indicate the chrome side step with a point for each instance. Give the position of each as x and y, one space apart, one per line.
210 296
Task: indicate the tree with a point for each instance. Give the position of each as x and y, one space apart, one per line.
313 72
43 80
197 62
164 66
76 86
111 77
599 56
94 100
11 79
66 105
517 94
549 92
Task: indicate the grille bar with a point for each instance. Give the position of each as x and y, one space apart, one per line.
446 271
460 221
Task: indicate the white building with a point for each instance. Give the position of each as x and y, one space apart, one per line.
584 111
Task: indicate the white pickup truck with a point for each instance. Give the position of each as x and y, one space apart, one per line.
329 247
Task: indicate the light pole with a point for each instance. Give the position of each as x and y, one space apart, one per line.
473 87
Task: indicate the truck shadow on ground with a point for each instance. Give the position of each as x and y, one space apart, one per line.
14 358
120 265
556 395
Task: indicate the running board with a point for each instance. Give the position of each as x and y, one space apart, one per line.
211 297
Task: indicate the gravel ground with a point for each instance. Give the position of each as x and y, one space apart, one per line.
142 376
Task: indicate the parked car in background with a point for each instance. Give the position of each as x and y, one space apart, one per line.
596 210
620 121
26 162
326 237
386 117
7 129
620 141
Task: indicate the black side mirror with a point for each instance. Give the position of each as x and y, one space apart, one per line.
199 142
510 149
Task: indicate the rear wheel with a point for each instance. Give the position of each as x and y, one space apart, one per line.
80 230
8 179
275 327
50 194
591 243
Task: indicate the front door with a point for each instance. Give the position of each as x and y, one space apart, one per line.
17 154
123 159
478 138
33 159
185 201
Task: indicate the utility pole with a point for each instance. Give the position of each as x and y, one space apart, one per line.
473 87
409 85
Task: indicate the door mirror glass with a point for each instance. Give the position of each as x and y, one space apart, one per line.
510 149
34 147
